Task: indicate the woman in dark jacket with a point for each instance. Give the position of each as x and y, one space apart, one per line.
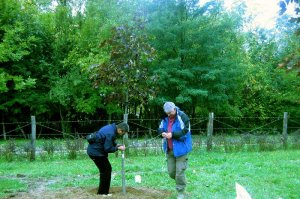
101 143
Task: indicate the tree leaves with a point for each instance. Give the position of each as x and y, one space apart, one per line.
126 68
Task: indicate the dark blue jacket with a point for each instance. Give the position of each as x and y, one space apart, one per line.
105 141
181 133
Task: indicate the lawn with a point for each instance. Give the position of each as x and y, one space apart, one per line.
274 174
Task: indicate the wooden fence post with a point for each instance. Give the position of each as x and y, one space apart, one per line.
284 130
33 138
3 128
210 127
4 132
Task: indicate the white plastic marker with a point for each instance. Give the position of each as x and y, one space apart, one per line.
137 179
241 192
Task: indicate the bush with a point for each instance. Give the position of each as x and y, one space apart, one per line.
265 144
247 138
43 156
27 149
295 141
49 147
233 144
10 150
73 146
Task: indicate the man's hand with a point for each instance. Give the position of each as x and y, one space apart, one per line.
167 135
122 147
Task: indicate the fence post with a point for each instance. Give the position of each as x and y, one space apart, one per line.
4 132
210 127
284 130
3 127
33 138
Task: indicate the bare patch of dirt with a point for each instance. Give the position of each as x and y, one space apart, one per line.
89 193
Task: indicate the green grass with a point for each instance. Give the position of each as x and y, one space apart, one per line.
267 175
11 185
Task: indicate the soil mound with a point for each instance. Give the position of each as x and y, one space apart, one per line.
89 193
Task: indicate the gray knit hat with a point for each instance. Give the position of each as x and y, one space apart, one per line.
123 126
169 106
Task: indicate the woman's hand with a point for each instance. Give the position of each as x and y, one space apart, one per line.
167 135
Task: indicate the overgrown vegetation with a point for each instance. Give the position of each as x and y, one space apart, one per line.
75 61
72 148
9 150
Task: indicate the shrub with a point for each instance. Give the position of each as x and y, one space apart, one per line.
233 144
265 144
219 142
295 141
247 138
73 146
10 150
43 156
27 149
49 147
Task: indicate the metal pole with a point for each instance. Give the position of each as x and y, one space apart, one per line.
123 173
123 152
123 160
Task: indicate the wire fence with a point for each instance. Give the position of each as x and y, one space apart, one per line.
148 127
218 133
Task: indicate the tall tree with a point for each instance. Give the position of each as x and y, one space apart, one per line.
125 72
292 61
199 54
73 89
21 56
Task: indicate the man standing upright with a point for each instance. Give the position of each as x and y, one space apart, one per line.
176 131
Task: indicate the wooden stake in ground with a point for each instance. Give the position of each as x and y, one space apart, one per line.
33 138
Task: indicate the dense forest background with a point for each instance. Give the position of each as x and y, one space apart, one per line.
80 59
